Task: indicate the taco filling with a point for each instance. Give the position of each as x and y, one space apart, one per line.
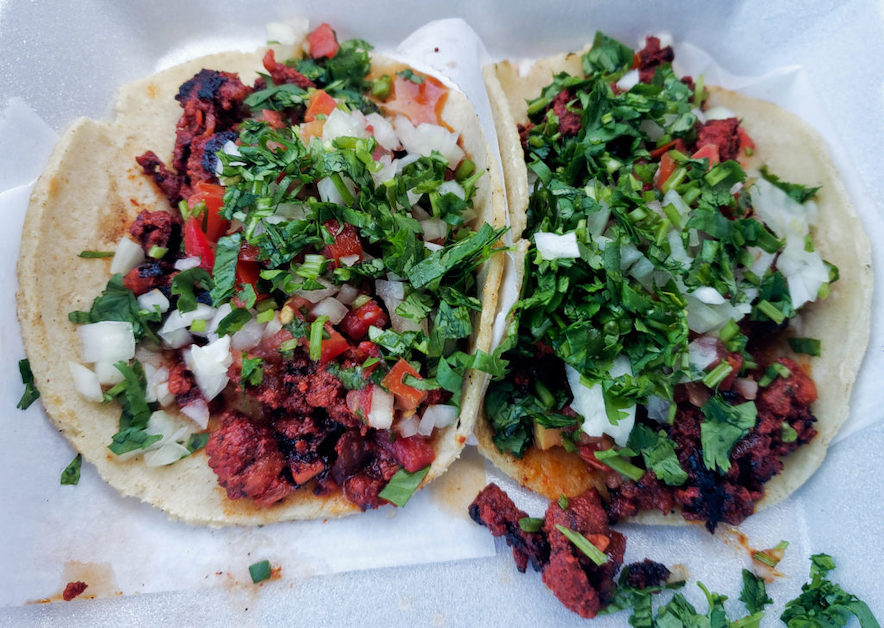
661 277
303 308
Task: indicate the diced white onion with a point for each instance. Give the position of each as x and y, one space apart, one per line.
719 113
165 397
677 250
628 80
674 198
383 132
392 293
154 377
107 341
441 414
248 336
658 409
434 229
272 326
341 124
186 263
153 301
109 375
176 338
453 187
166 454
650 128
315 296
762 260
708 295
179 320
198 412
701 117
209 366
127 256
85 382
380 416
589 402
331 307
703 351
554 246
784 215
432 246
405 161
746 387
703 317
408 427
628 256
387 172
347 294
426 425
425 138
212 326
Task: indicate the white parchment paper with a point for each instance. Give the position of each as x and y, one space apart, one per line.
61 62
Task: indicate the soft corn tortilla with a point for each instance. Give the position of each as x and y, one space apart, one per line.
86 199
793 151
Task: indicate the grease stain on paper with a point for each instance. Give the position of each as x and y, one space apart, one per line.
455 490
99 578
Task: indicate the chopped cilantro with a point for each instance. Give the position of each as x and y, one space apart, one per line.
723 426
409 75
224 272
808 346
95 254
186 283
798 192
824 603
118 303
197 441
584 545
252 371
260 571
71 473
530 524
402 486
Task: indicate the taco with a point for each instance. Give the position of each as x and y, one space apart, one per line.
681 342
300 292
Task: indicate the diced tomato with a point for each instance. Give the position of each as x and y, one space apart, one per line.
736 362
323 42
599 540
710 152
320 103
676 144
407 397
356 322
249 252
213 196
365 350
273 118
413 453
587 453
309 130
346 243
196 244
333 346
667 167
359 401
746 145
418 102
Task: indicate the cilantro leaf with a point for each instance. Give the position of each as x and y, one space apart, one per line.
71 473
224 271
824 603
252 371
724 425
402 486
796 191
31 393
185 284
754 594
118 303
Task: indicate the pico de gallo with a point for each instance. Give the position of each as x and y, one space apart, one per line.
303 310
661 272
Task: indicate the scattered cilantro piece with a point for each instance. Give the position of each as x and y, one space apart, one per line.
197 441
260 571
409 75
234 321
563 502
796 191
530 524
808 346
754 594
71 473
402 486
31 393
185 283
252 371
95 254
224 271
824 603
